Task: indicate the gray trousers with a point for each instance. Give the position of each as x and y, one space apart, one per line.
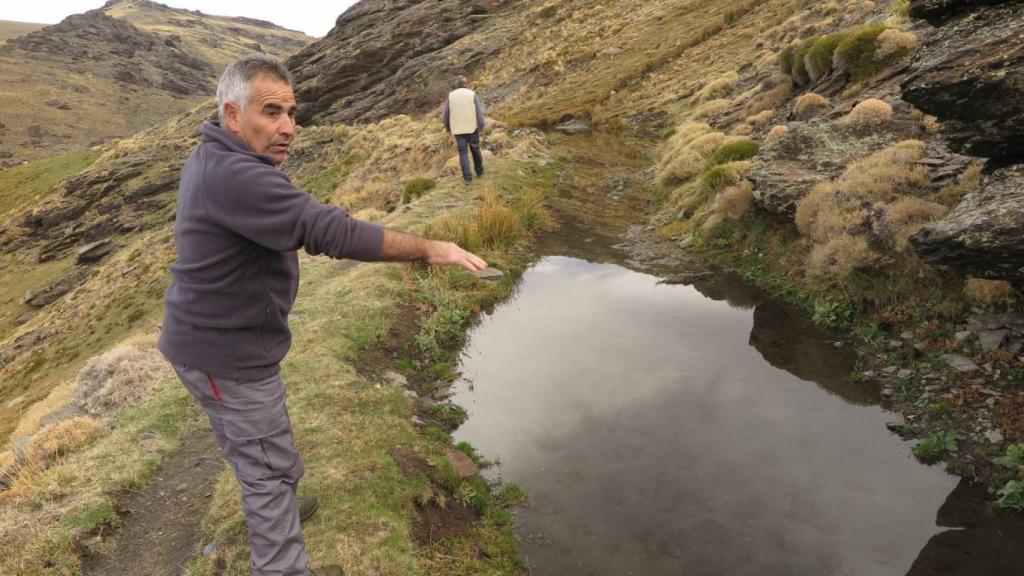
251 423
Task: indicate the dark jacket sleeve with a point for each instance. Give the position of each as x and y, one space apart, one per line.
259 202
479 111
447 116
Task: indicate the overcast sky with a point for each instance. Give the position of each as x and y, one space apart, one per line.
314 17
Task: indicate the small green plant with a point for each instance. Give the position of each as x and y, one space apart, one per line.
940 409
935 446
739 150
416 187
512 494
468 449
1011 495
451 415
437 433
828 312
1014 458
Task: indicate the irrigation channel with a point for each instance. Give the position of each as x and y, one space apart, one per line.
695 426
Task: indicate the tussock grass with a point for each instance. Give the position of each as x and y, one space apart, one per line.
773 93
718 88
760 119
809 105
855 54
417 187
876 199
776 132
870 113
496 224
893 42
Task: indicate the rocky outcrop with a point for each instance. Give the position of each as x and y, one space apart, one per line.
970 74
385 57
131 55
810 153
938 11
58 287
984 235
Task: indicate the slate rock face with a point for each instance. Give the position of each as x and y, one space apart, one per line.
984 235
129 54
970 74
390 56
938 11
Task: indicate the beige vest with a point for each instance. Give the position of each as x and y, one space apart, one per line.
462 111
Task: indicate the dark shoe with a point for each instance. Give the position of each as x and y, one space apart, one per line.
332 570
307 507
467 182
480 175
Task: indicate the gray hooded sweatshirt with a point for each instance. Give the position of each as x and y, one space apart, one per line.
239 223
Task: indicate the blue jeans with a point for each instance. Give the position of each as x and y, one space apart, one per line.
471 141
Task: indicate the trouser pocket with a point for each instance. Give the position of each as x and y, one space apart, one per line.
260 444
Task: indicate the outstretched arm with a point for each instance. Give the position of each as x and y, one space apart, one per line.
402 247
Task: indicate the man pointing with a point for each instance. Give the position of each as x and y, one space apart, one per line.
239 224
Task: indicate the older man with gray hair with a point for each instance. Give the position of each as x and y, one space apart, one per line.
240 221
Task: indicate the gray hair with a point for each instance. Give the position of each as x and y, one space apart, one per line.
236 81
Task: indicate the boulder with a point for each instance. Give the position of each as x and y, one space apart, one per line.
964 73
938 11
984 235
94 251
58 287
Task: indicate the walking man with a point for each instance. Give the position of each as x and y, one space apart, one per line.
464 117
239 224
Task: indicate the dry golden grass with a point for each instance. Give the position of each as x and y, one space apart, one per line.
711 108
892 40
870 113
773 94
718 88
120 378
496 223
776 132
990 292
839 257
969 180
63 437
742 130
760 119
735 201
899 220
809 105
679 161
877 196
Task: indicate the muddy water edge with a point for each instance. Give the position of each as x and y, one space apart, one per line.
668 419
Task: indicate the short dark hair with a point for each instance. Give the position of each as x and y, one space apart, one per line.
461 81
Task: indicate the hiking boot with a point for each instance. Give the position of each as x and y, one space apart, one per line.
307 507
332 570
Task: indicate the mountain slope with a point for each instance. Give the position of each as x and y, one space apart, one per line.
113 71
12 29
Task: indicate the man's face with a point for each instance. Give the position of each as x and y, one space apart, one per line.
267 125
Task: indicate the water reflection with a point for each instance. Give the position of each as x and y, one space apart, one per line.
660 431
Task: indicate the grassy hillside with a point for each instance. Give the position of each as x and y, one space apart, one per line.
785 151
10 29
93 78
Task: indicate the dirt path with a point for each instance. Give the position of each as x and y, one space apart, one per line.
161 530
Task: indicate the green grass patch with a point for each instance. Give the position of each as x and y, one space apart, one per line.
733 151
855 54
417 187
1014 457
22 186
935 446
